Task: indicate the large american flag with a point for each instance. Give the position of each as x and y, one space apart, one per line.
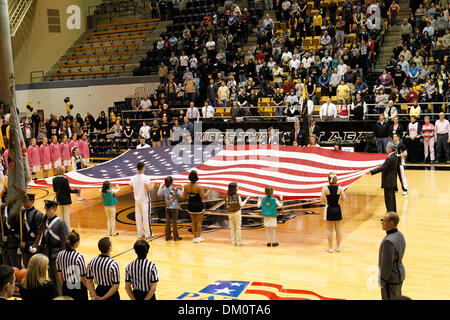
293 172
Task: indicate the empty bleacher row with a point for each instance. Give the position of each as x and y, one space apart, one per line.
105 50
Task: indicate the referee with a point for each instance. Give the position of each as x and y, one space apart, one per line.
141 275
105 272
71 269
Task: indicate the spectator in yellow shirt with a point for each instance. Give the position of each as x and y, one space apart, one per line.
343 92
223 94
317 23
415 110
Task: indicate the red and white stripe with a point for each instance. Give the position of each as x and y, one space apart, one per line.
293 172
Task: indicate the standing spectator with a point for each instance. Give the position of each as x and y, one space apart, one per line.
442 127
28 133
142 144
413 140
110 201
36 286
428 133
71 269
144 132
394 8
171 196
405 30
166 132
141 275
101 123
390 265
396 127
381 133
391 111
208 112
223 94
62 189
142 186
104 271
192 112
388 177
155 134
333 193
328 110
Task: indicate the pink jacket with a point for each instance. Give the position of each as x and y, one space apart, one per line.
44 151
65 151
55 153
33 156
73 144
84 148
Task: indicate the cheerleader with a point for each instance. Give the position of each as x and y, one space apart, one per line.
78 164
333 193
65 153
46 160
55 154
84 148
73 142
34 158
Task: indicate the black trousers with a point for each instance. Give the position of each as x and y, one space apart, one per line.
11 258
391 290
389 199
140 295
53 274
102 290
80 294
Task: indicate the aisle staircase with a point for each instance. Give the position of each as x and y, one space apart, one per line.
392 37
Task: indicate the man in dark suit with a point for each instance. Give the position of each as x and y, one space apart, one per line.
388 177
314 129
211 93
63 191
392 249
298 136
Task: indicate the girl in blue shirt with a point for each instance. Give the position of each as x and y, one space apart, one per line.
171 196
268 205
110 201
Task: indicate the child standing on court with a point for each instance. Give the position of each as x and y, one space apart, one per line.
110 201
233 205
268 205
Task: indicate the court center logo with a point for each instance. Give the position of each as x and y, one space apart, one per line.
248 290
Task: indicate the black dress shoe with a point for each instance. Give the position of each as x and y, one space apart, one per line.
180 238
269 244
168 239
275 244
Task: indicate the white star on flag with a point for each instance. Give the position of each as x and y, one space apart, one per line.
236 284
224 290
217 283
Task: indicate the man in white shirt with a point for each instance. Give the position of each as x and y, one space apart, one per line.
326 39
328 111
294 63
208 112
268 22
286 56
142 208
442 127
307 60
342 68
142 144
192 112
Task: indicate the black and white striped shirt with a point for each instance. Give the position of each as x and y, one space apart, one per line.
104 271
141 273
72 265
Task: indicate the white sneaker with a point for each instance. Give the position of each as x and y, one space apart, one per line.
405 193
196 240
200 239
338 249
80 198
330 250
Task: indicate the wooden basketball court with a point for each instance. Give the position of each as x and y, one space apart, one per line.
301 261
